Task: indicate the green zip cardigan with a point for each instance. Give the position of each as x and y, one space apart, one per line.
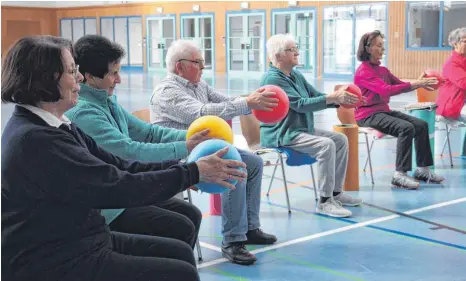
122 134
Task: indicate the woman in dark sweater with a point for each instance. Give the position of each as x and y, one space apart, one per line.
55 179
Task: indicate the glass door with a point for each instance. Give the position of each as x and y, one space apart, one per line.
160 34
338 41
343 28
302 25
370 18
126 31
245 43
201 29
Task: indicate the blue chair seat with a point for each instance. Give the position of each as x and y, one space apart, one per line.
294 158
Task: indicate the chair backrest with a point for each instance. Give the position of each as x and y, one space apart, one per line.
143 114
345 115
250 128
424 95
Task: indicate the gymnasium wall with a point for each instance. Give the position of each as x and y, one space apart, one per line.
407 64
18 22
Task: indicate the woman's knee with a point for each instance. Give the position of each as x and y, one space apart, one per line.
422 127
341 141
329 146
408 130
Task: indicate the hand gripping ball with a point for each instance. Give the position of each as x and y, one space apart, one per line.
209 147
278 113
353 89
433 73
219 128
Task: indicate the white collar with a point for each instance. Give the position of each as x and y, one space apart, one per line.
48 117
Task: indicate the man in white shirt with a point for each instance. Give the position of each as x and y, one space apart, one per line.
181 98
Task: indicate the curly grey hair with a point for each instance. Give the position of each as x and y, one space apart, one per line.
277 45
456 36
179 49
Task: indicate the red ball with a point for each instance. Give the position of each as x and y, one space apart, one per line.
278 113
433 73
353 89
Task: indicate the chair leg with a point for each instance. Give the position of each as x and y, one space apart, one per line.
273 176
198 246
449 146
444 145
369 149
314 183
369 158
286 183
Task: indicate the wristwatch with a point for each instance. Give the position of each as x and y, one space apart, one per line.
182 161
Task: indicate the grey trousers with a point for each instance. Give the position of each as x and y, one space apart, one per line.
331 151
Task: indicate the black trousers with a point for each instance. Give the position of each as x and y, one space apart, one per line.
139 257
173 218
406 128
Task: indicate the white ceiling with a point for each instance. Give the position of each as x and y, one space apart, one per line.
64 4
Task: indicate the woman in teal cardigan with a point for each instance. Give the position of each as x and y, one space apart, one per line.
297 131
114 129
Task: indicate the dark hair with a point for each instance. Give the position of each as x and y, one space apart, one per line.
94 53
62 42
365 42
31 71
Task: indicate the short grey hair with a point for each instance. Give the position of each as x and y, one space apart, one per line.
277 45
456 36
180 49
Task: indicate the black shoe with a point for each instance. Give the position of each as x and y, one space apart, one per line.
236 252
258 237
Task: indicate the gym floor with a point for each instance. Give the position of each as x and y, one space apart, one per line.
396 235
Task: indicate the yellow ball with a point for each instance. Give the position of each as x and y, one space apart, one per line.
218 128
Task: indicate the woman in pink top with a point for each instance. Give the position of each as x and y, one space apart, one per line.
378 84
452 94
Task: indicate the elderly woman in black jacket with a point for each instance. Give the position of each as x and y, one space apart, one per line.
55 179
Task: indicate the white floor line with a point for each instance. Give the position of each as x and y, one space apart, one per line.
211 247
329 232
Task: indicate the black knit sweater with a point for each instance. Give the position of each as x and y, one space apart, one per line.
55 180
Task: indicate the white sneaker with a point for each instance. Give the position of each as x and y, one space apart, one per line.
347 200
332 208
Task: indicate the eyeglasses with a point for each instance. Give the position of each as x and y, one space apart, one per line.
198 62
74 72
294 49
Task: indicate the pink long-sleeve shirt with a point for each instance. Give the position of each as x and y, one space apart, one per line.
377 85
452 94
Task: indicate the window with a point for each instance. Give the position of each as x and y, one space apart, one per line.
429 23
75 28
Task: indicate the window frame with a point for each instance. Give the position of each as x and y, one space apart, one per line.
439 46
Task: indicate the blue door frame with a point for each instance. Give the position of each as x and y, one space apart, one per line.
128 66
297 10
149 41
72 30
200 15
353 61
227 32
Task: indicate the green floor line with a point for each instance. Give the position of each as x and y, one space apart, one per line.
315 266
227 274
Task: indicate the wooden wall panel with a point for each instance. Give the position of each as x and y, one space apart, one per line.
407 63
18 22
403 63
